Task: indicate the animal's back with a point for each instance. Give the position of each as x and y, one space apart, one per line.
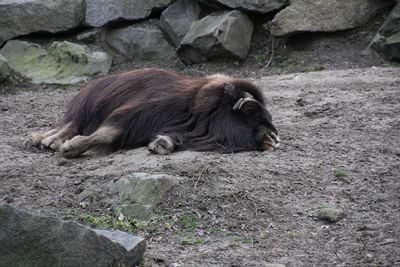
135 96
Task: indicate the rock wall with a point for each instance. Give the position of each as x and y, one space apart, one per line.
191 30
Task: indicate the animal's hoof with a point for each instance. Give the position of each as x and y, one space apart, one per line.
51 143
47 143
162 145
68 151
34 139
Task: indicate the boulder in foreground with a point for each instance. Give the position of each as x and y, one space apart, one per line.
30 240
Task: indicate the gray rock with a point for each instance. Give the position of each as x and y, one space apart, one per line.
89 36
138 43
141 192
144 188
20 17
387 40
226 34
101 12
389 46
136 211
4 69
325 16
175 21
30 240
330 214
257 6
63 62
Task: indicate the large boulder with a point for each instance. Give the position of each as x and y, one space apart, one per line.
221 34
257 6
175 21
325 16
21 17
62 63
139 43
30 240
101 12
387 40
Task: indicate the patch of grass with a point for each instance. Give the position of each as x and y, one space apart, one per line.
244 240
265 235
71 215
188 222
323 207
215 230
233 244
247 240
108 222
193 241
293 63
153 225
102 222
179 232
259 58
341 173
292 235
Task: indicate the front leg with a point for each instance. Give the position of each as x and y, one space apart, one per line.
105 135
162 145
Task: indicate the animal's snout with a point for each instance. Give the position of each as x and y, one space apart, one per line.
275 138
271 141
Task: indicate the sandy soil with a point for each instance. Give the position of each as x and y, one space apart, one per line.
249 208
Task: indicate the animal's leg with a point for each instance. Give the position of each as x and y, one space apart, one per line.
55 140
105 135
162 145
35 139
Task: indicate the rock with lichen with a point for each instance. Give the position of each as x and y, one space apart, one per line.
62 63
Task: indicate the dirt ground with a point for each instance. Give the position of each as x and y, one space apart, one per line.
244 209
340 132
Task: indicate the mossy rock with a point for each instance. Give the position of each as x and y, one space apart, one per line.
330 214
62 63
143 188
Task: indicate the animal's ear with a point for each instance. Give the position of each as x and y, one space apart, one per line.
229 89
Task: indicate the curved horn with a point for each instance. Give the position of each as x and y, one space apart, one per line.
239 104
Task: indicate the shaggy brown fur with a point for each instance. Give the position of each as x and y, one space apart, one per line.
215 113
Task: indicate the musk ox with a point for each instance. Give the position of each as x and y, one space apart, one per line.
166 111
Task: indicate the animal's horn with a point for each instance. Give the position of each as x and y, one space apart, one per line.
239 104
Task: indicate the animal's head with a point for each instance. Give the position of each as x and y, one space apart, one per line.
248 106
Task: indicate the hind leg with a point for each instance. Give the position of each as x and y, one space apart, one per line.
55 140
35 139
105 135
162 145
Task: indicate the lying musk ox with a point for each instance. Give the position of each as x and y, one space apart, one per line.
166 111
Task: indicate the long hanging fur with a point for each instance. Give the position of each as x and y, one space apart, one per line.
195 112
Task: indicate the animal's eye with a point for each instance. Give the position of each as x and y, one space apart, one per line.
250 108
